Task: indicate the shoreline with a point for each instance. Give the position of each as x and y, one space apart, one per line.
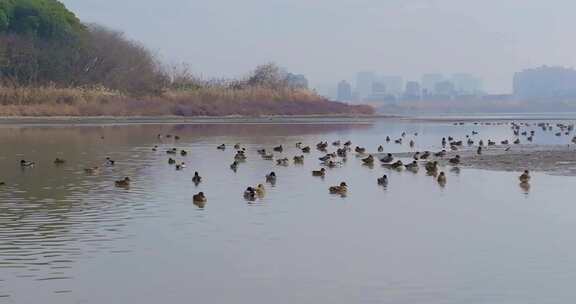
282 119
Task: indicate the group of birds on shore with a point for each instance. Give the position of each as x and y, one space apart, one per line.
430 160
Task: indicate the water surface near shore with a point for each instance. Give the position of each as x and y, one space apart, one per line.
69 237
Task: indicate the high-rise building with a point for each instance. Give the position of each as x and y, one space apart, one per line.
364 82
344 91
445 88
413 90
545 82
394 84
429 82
466 84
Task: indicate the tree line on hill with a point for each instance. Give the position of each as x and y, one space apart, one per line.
43 43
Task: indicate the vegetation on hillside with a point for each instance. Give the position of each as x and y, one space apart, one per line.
52 64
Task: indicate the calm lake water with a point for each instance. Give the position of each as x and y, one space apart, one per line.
69 237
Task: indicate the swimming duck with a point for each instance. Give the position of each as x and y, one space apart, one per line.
25 164
491 143
180 166
268 156
171 161
271 178
299 145
387 159
234 166
440 154
341 152
348 144
397 165
326 157
199 198
260 190
336 143
59 161
237 146
282 162
240 156
171 151
360 150
441 178
368 160
250 194
261 151
525 177
431 167
398 141
92 170
299 159
110 162
123 182
340 189
425 155
504 142
322 146
481 143
278 148
183 153
320 173
517 141
221 147
455 160
306 149
383 181
413 166
387 139
470 142
196 178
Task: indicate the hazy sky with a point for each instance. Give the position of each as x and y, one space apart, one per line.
330 40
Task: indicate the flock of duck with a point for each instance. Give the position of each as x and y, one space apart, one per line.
430 161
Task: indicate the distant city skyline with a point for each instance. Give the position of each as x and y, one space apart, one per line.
492 39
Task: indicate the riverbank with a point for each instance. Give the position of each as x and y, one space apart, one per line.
200 102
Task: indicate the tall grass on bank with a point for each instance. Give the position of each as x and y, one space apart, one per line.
208 101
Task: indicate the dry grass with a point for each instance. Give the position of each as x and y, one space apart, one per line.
53 101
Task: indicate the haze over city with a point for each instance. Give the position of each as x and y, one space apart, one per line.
329 41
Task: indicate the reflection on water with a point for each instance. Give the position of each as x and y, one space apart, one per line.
68 237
